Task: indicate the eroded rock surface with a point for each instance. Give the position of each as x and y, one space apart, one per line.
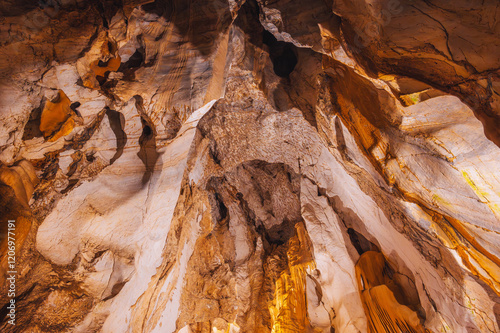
251 166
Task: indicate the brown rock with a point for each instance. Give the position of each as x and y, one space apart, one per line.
250 166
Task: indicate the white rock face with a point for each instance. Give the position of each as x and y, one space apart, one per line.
102 216
247 166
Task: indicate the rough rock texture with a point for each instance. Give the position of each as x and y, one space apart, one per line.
251 165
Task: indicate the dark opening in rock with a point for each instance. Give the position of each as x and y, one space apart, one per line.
359 241
74 106
148 153
116 121
146 131
32 128
90 157
282 54
135 61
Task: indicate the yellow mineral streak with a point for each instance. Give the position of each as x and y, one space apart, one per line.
455 235
484 191
289 308
56 120
384 312
474 256
411 99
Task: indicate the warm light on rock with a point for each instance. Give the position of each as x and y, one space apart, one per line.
240 166
289 308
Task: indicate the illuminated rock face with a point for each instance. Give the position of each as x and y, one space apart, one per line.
289 309
56 119
251 166
384 312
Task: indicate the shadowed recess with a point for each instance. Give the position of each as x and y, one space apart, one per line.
117 121
282 54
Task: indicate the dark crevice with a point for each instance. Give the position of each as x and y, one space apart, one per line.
222 209
72 183
282 54
271 238
219 210
90 157
74 106
74 165
147 142
90 43
280 234
159 7
117 121
32 127
115 290
136 60
248 21
102 11
360 243
147 131
102 79
212 151
147 153
112 47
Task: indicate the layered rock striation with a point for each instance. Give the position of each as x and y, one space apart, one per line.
251 166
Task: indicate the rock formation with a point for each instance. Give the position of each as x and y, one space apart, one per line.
250 165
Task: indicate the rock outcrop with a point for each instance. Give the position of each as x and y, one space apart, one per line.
251 166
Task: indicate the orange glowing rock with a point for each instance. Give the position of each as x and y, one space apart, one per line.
98 68
289 308
112 66
21 178
384 312
11 178
56 118
475 257
65 129
22 227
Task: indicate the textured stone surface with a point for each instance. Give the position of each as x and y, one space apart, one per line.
251 166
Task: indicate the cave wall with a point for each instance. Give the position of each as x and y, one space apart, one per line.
251 166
